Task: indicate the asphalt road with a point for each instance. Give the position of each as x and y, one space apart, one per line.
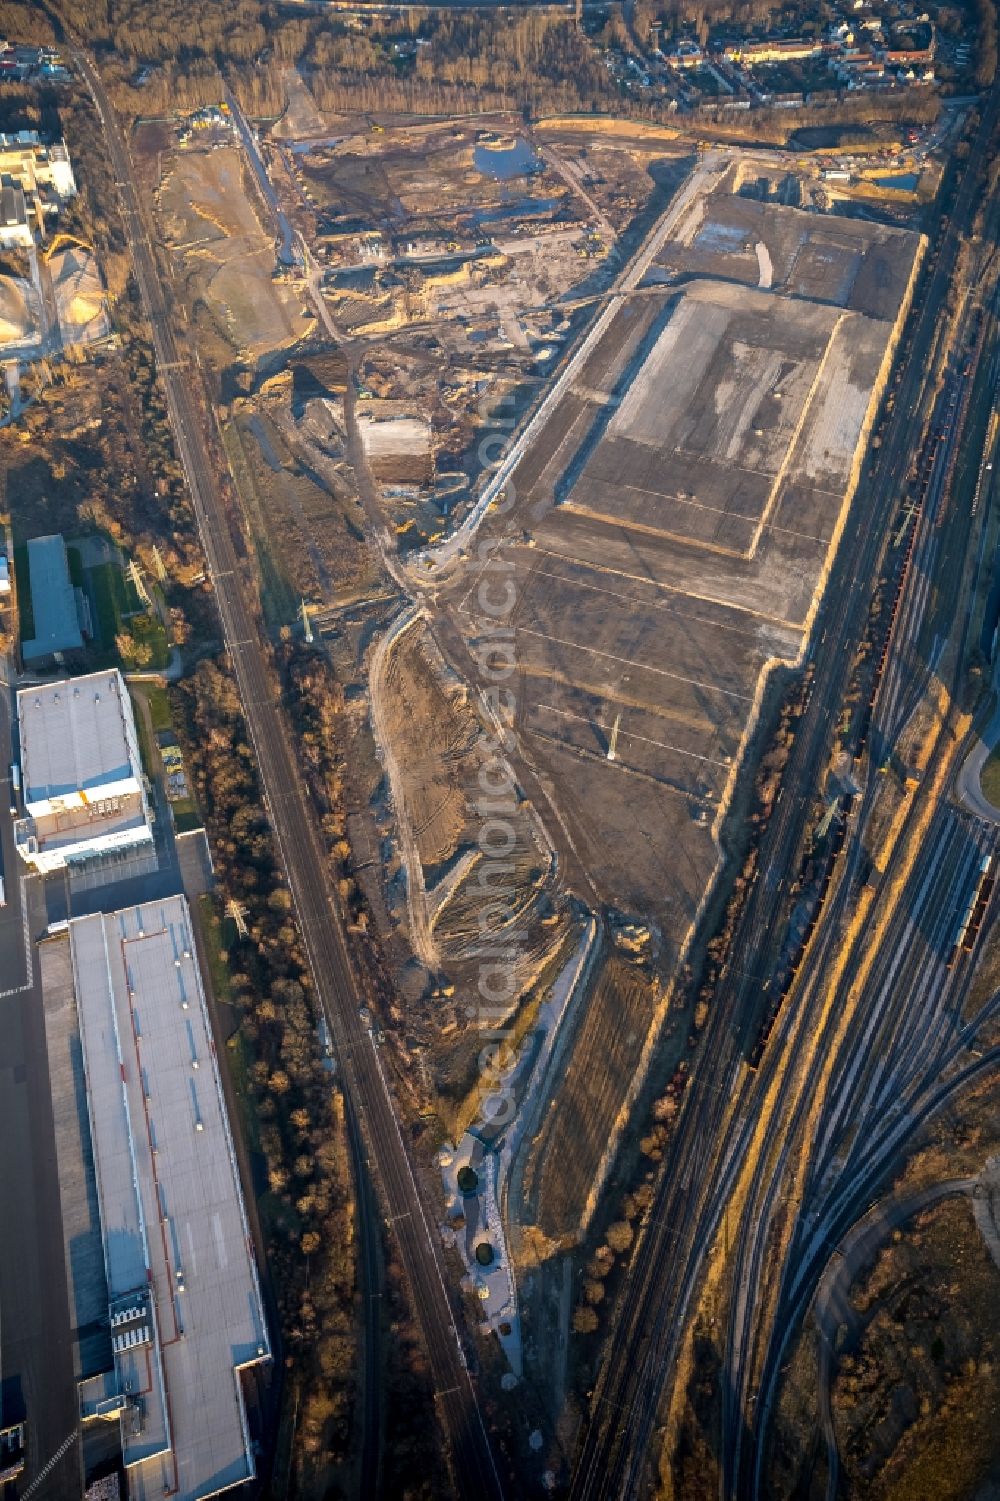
301 851
37 1380
286 249
691 1194
969 785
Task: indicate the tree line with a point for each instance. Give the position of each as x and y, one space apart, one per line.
986 42
295 1109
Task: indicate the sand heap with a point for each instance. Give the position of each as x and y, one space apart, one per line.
397 442
79 295
18 311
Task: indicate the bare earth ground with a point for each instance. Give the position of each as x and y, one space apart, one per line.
441 729
308 490
301 118
562 1162
224 255
671 537
455 903
672 534
285 435
677 521
457 284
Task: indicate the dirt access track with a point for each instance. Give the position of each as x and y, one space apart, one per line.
674 526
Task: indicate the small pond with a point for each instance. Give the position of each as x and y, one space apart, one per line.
505 161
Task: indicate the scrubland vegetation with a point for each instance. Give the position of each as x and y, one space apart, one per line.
428 62
295 1113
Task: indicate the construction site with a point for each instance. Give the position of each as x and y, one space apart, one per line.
674 371
225 258
675 524
451 262
504 520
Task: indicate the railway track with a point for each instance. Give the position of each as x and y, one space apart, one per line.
891 1050
692 1191
303 857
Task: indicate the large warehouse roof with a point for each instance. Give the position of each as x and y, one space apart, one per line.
184 1298
53 599
77 736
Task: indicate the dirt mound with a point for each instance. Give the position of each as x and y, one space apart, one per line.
79 295
17 321
320 374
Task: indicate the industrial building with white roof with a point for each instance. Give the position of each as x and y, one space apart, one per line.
184 1300
81 775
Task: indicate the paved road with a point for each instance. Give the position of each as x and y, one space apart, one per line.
286 249
968 785
301 851
36 1354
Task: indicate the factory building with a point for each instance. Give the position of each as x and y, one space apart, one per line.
55 605
81 775
41 168
184 1305
15 231
36 180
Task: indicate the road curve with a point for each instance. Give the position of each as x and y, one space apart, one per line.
302 855
968 784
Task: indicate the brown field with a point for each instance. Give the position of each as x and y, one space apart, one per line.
301 117
583 1117
839 262
457 923
674 525
436 731
224 255
454 280
410 173
454 1041
305 521
433 731
618 170
447 894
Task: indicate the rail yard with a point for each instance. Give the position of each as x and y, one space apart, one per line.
691 515
574 543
